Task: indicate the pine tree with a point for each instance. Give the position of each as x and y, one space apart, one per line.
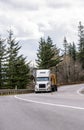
47 55
22 73
81 43
72 55
40 54
72 51
65 45
13 49
18 72
2 63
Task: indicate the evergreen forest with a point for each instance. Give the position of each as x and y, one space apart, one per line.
67 62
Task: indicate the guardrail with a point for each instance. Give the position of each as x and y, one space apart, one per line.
14 91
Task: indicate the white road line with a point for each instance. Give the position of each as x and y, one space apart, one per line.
79 92
50 104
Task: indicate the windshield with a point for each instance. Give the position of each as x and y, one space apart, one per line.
42 78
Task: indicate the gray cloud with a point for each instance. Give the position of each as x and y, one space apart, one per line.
31 19
58 4
20 5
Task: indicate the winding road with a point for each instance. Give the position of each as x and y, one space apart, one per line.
62 110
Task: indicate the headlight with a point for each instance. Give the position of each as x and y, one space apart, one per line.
36 86
48 84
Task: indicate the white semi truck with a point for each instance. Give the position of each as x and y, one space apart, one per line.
45 81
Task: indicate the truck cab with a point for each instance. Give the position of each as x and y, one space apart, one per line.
44 81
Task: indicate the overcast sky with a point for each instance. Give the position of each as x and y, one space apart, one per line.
32 19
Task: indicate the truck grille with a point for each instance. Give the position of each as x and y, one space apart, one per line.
42 86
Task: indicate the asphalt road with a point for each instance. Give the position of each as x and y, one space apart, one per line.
62 110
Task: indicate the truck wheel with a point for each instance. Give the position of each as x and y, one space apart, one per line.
36 92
